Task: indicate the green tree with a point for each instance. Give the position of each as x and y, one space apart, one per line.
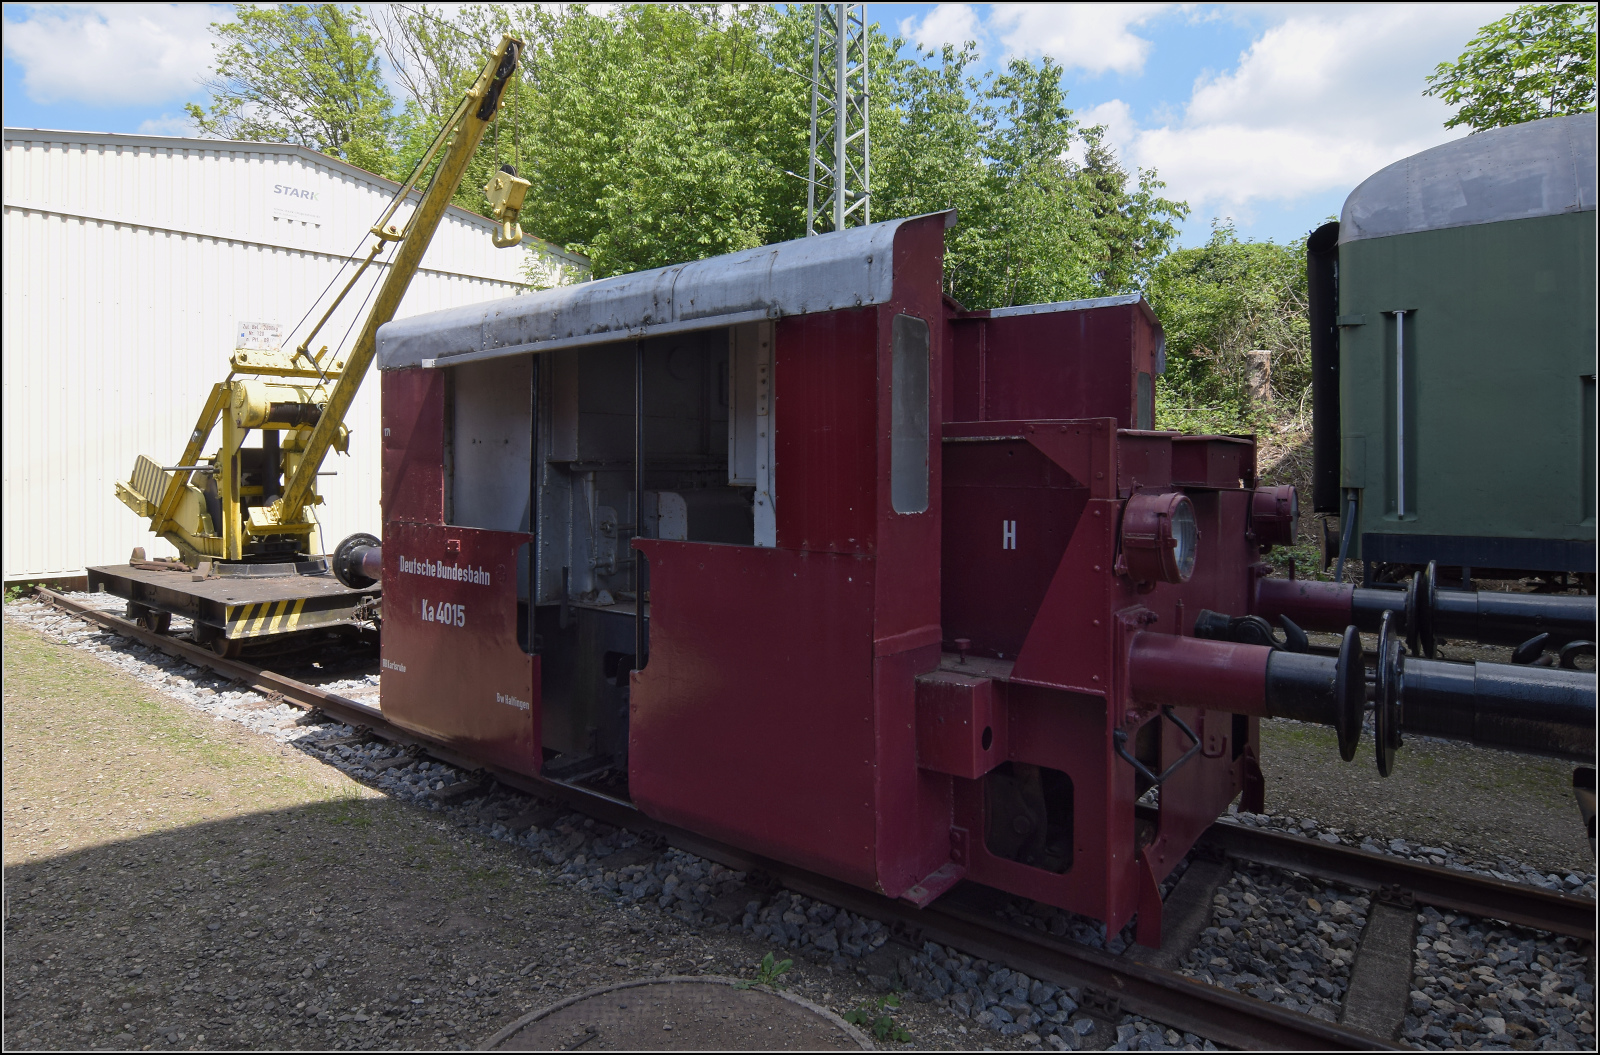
927 142
660 134
1216 302
1538 61
1034 226
300 73
655 134
1132 224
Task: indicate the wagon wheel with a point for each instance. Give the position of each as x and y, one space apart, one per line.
148 618
218 642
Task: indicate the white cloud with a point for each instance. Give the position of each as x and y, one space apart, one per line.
945 24
167 125
1320 101
1090 37
111 54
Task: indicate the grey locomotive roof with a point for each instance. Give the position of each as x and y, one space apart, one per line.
851 268
1541 168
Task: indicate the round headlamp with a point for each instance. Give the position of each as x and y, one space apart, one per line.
1160 537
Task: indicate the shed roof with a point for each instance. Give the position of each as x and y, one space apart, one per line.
842 269
307 154
1541 168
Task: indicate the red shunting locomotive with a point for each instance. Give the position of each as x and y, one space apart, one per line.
831 569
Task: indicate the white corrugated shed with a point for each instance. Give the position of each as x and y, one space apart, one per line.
130 262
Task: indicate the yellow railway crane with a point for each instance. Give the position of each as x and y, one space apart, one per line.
246 568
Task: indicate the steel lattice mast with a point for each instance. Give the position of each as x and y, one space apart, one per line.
843 173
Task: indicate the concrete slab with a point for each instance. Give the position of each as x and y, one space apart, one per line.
1380 979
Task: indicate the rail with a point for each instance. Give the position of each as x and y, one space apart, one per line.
1119 984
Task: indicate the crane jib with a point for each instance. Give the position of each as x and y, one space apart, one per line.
491 82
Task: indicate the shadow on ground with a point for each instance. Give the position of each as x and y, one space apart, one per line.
333 924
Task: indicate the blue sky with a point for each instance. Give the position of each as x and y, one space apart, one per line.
1269 114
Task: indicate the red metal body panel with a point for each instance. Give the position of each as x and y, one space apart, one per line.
1064 364
1213 461
413 446
452 668
1069 686
833 454
913 805
1066 732
824 379
753 719
450 634
961 729
1006 495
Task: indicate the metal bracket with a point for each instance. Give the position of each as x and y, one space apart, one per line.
1119 740
1395 894
1100 1005
1250 630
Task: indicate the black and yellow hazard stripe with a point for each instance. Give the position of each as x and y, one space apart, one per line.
265 617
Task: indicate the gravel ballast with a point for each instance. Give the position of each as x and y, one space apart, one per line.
1275 936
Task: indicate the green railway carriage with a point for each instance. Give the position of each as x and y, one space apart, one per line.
1453 355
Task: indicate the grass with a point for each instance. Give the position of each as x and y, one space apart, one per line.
108 757
1487 801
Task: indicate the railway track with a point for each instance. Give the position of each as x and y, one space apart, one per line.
1140 982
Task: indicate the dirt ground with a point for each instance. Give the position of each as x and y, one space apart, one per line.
174 881
1488 803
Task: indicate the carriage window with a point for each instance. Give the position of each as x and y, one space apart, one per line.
908 424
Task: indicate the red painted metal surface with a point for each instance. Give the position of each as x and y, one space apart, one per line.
1166 669
452 668
413 446
753 720
1312 604
800 701
1276 512
1069 364
961 728
1006 500
1075 657
824 380
1213 461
